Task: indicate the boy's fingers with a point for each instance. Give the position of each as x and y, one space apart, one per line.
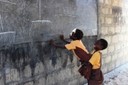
50 42
61 36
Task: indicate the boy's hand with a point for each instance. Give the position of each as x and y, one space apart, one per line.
51 42
62 37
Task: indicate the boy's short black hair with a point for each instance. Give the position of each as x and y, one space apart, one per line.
104 43
78 34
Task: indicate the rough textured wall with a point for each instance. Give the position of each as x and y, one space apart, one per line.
113 23
27 25
38 20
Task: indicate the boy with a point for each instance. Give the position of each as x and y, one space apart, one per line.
75 45
96 77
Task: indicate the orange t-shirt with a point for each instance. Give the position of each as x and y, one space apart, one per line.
74 44
95 60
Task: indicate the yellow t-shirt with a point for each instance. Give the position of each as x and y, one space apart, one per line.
95 60
76 43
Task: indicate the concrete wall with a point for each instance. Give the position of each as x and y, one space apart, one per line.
113 23
26 58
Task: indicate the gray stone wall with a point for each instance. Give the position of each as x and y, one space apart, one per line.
113 27
26 26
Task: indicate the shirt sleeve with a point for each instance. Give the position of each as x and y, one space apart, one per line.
70 46
95 58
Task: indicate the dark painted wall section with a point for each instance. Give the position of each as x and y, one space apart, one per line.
20 56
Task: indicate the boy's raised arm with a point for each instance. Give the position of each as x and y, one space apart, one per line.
51 42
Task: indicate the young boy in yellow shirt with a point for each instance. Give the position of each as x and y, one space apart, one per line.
96 77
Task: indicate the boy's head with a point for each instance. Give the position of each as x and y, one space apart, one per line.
100 44
76 34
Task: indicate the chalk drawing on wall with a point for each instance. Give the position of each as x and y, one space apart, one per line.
43 21
6 1
7 37
1 23
11 32
39 2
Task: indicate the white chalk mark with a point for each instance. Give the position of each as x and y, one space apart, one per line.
68 15
43 21
11 32
6 1
1 23
39 1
